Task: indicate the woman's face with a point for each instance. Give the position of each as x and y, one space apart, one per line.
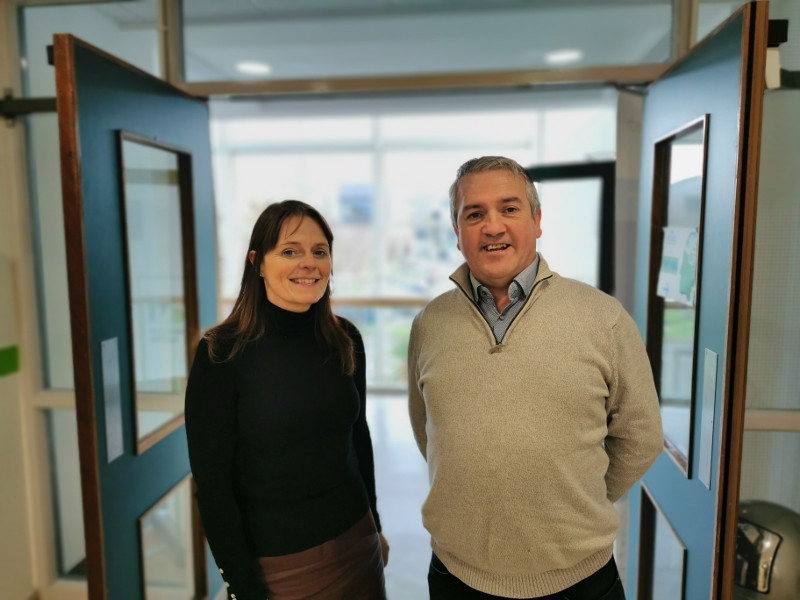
296 271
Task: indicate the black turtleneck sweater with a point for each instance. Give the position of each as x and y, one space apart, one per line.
279 447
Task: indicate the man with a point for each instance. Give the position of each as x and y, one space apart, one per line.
532 400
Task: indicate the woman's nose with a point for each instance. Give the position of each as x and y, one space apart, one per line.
308 261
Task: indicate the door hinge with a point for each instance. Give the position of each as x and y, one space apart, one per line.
11 107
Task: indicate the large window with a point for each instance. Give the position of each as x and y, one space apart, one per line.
380 171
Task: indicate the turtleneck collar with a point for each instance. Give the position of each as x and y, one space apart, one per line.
286 322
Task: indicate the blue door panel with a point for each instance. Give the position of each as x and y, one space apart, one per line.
112 96
707 82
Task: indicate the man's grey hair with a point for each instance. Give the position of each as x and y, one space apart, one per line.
492 163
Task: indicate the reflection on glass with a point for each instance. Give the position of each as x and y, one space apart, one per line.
755 555
154 243
675 261
165 535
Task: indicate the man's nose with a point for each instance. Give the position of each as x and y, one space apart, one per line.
493 224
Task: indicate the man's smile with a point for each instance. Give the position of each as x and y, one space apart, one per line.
495 247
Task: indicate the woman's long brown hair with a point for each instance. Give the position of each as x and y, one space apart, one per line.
247 321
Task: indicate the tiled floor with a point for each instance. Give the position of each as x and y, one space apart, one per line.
402 484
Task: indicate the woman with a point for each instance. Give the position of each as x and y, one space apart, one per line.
276 425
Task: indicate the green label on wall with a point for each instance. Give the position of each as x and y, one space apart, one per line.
9 360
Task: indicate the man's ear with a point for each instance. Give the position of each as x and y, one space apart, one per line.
251 256
537 224
458 243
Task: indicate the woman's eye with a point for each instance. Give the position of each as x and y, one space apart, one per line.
288 252
321 253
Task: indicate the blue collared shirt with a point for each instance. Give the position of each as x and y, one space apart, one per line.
518 291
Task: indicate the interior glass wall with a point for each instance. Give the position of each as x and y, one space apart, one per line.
128 31
380 173
712 13
315 39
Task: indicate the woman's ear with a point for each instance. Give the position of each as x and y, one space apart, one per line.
252 256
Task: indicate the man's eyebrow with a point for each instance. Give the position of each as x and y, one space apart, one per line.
466 207
509 200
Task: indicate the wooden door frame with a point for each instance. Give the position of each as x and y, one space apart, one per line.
753 84
80 323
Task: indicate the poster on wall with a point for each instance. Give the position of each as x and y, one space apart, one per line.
677 276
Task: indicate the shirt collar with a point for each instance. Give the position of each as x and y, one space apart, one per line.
520 286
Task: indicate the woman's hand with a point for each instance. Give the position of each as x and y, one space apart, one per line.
384 549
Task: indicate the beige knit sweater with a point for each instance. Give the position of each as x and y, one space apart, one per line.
530 441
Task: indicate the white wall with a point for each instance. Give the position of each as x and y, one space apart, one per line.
16 568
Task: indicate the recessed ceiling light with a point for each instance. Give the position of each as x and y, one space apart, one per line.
253 68
563 57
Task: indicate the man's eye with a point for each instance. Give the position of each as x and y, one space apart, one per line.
511 209
472 216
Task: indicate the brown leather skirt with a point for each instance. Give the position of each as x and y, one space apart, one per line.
348 567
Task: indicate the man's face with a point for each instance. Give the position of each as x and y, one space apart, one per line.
496 231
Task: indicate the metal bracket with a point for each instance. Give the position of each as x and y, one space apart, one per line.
11 107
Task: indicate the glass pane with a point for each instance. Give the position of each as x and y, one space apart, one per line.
165 534
47 219
128 30
662 555
789 50
310 39
668 562
564 125
154 252
401 480
385 332
711 14
769 467
62 433
380 170
421 253
675 258
773 376
570 239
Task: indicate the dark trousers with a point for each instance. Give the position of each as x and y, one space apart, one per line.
605 584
